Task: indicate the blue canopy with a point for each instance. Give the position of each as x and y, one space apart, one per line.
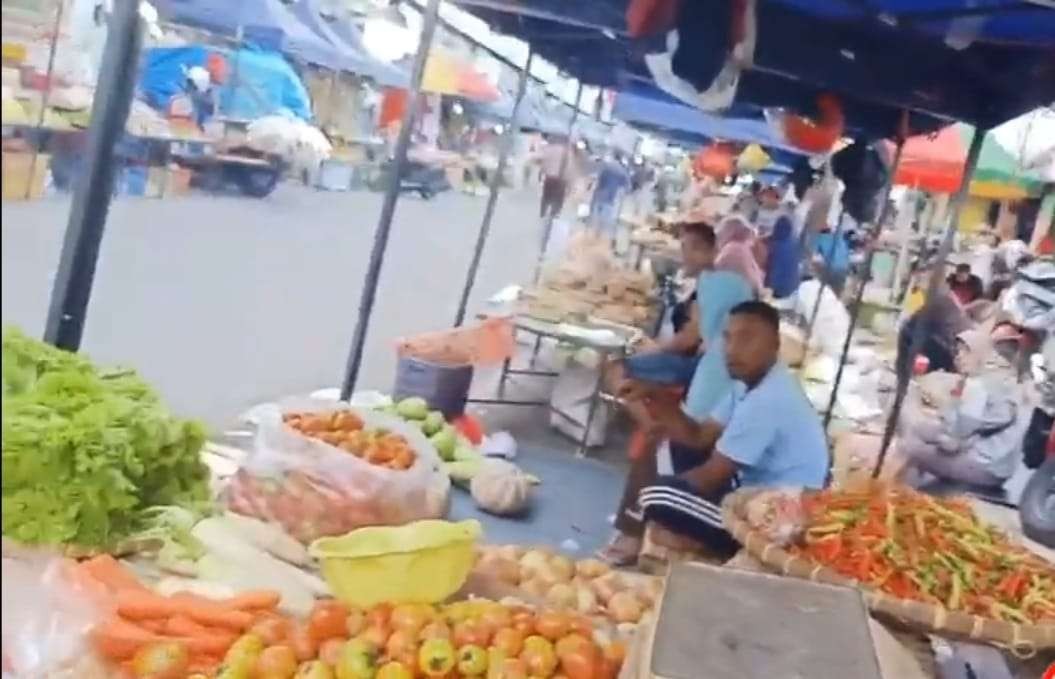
981 61
265 84
346 39
266 23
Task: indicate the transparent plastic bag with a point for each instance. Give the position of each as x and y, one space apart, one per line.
314 489
47 613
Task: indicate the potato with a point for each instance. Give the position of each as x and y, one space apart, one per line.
500 569
563 567
561 596
544 572
535 588
624 607
585 600
591 568
534 559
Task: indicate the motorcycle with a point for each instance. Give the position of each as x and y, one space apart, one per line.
1037 504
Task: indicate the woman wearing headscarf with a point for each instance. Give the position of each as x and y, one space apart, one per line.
976 438
782 266
736 252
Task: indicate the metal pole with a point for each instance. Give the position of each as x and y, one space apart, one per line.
91 199
496 183
547 230
388 207
45 98
937 274
855 312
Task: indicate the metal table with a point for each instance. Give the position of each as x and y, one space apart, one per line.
565 333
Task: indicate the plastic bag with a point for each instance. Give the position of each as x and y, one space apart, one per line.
46 616
314 489
778 514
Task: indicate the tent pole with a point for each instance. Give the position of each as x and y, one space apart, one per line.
884 213
91 199
548 229
44 99
388 207
496 184
937 275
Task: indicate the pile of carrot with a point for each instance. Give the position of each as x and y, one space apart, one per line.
206 627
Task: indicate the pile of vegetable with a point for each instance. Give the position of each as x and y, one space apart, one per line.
915 546
151 636
345 430
587 587
461 458
86 451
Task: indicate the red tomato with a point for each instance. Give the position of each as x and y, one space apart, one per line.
305 646
552 625
328 619
272 628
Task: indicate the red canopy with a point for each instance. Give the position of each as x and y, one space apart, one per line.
933 164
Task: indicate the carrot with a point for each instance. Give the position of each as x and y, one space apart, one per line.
254 600
182 626
156 626
205 664
136 605
213 614
112 573
118 639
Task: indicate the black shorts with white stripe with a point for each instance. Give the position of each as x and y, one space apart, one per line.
674 504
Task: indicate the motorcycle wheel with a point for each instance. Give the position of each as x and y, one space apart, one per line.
1037 505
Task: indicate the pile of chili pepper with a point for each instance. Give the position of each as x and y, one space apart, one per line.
935 550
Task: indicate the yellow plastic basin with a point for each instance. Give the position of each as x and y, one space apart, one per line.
420 562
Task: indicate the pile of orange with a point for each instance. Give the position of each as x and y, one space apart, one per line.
345 430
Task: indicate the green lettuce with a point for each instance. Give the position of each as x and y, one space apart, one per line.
87 452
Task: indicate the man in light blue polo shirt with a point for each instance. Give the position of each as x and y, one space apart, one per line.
764 433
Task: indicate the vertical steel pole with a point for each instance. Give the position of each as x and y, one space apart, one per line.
91 199
548 229
496 183
823 280
855 312
388 207
937 275
45 98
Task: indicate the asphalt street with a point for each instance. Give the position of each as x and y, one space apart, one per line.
225 301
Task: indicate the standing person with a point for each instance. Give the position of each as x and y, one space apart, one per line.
763 432
612 181
831 255
716 293
782 262
738 251
965 284
554 186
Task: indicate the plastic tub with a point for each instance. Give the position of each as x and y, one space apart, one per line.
420 562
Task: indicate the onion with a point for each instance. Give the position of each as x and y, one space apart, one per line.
624 607
591 568
562 596
503 570
585 600
563 567
606 586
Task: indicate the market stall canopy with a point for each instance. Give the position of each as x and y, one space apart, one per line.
384 73
936 163
940 71
269 24
354 57
446 74
266 83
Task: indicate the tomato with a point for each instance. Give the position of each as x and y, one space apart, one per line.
496 617
513 669
437 629
496 658
472 660
330 651
328 619
539 657
394 670
379 615
470 632
275 662
581 663
552 625
357 660
436 657
375 636
570 642
399 642
304 645
355 622
161 660
580 624
509 640
524 622
314 669
273 629
409 617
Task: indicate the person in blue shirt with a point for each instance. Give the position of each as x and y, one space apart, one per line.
612 181
831 254
782 265
764 432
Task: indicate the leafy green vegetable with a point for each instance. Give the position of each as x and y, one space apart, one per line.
85 452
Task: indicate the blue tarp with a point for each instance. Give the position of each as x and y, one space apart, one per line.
344 38
259 83
265 23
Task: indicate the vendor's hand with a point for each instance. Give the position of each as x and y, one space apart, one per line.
663 406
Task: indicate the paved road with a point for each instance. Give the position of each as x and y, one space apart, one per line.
224 301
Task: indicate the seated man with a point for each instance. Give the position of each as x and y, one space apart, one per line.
764 433
965 284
